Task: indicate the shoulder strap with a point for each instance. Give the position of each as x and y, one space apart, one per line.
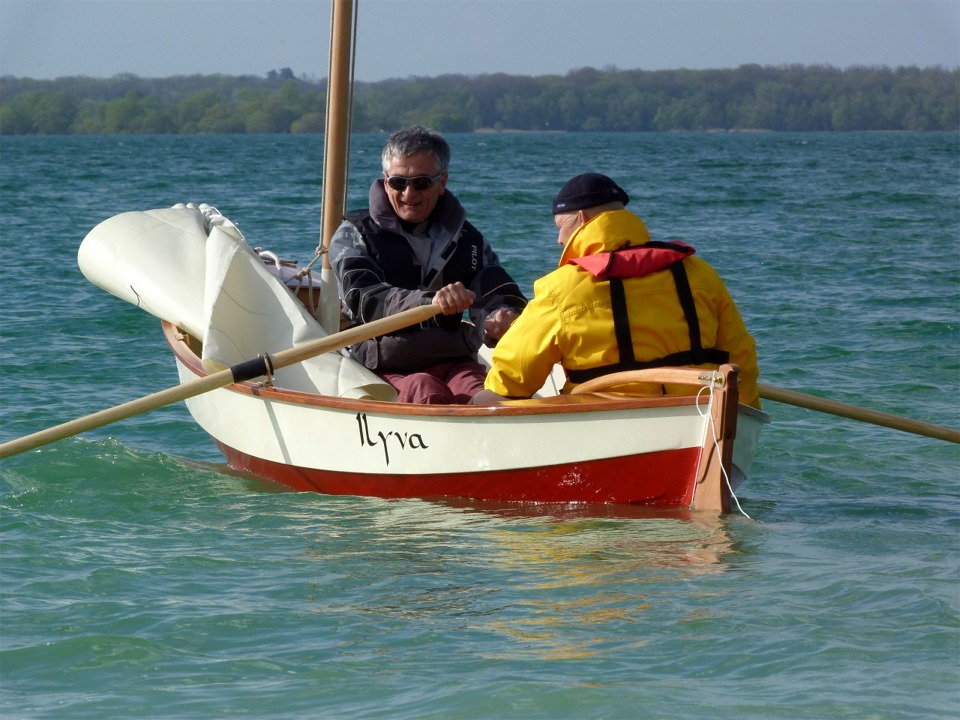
621 321
696 355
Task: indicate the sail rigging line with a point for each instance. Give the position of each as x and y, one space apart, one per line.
336 153
348 139
339 116
333 74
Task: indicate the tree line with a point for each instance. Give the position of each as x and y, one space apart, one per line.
750 97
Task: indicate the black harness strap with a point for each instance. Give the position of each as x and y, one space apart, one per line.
696 355
621 320
689 308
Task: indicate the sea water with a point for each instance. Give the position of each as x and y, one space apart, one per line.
140 577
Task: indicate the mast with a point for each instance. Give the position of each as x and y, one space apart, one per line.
336 147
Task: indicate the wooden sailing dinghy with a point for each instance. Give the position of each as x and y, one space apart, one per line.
667 452
329 425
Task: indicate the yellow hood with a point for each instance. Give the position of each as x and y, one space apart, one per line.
607 231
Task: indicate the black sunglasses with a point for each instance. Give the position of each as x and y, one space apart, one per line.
420 182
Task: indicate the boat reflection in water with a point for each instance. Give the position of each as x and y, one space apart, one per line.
556 582
583 576
646 537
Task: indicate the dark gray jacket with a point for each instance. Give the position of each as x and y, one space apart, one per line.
380 274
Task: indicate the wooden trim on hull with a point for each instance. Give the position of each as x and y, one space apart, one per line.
661 479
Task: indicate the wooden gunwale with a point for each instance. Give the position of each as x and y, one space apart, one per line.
184 348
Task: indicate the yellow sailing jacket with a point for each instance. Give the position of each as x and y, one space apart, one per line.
570 319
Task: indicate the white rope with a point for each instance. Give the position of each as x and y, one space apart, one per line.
712 426
320 252
302 276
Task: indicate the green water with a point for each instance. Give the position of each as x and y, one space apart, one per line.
139 577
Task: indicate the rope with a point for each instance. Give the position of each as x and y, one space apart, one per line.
349 134
320 249
353 68
302 275
268 375
320 252
306 272
712 426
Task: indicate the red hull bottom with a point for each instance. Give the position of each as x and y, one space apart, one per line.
662 479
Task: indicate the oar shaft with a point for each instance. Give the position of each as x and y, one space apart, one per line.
118 412
184 391
832 407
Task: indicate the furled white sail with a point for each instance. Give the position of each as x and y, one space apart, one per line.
191 266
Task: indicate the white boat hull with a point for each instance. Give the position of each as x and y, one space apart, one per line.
585 448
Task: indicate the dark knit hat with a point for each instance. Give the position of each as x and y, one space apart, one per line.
586 191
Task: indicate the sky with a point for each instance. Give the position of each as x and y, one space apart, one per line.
45 39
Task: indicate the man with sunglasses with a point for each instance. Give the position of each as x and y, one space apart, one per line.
414 246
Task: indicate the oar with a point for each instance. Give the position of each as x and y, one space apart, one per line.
238 373
811 402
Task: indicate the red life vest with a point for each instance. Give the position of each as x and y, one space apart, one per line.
635 261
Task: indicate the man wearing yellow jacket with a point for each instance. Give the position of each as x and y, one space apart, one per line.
618 301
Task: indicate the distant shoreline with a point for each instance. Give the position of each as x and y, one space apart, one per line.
748 99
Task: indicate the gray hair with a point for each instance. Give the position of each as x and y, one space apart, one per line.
409 141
